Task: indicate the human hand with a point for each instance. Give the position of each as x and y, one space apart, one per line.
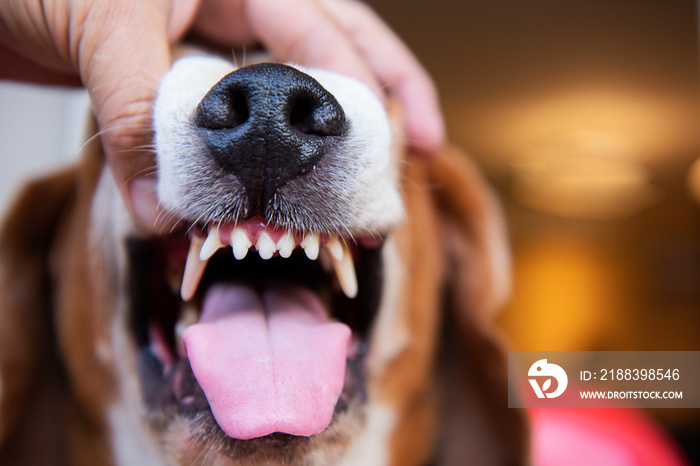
120 50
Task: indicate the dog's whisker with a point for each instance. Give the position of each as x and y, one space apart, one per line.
133 125
176 225
350 234
101 132
137 154
144 150
407 141
150 84
129 124
149 147
205 460
234 58
147 171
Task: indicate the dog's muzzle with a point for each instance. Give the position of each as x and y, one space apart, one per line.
253 316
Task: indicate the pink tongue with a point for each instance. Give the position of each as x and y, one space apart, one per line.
270 363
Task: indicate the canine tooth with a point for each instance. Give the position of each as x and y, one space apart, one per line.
310 245
335 247
345 271
194 268
188 316
211 244
286 244
265 246
240 243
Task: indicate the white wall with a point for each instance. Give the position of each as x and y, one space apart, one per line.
41 128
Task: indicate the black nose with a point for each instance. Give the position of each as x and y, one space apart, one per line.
267 124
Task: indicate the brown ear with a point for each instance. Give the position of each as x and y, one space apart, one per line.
479 427
28 359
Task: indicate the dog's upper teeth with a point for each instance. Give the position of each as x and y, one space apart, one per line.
194 268
335 247
211 244
286 244
344 267
265 246
310 243
336 255
240 243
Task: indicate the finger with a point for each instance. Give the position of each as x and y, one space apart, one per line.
182 14
300 31
397 68
223 22
28 51
122 54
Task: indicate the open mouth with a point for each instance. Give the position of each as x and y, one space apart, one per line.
261 329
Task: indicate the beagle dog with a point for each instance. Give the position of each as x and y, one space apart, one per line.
323 298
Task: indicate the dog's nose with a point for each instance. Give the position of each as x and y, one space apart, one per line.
267 124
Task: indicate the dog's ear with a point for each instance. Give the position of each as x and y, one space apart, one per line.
479 427
475 234
28 359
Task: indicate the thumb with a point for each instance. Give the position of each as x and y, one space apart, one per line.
123 53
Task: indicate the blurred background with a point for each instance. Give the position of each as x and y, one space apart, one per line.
585 117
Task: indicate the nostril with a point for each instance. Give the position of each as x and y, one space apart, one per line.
227 108
268 124
310 114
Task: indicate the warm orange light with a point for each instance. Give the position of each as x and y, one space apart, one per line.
694 180
584 153
564 296
610 121
588 186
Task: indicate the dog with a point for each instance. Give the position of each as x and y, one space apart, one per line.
323 298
